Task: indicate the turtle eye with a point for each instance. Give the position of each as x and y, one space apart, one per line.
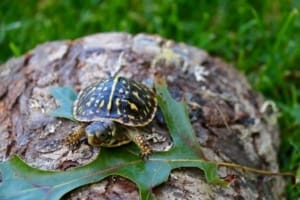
98 133
98 138
103 136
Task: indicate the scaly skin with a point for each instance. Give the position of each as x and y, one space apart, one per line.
75 138
139 139
132 134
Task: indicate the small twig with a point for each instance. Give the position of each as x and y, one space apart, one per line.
257 171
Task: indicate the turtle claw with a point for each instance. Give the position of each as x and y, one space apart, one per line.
145 152
145 157
142 143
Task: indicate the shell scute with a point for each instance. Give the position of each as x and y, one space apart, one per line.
119 99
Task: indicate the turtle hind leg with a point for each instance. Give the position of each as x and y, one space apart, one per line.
140 140
74 139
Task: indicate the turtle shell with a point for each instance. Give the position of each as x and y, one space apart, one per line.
118 99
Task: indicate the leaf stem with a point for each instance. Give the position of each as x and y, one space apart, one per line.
257 171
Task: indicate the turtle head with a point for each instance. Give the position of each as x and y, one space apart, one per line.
105 134
100 133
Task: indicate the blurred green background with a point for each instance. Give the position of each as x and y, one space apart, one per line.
261 38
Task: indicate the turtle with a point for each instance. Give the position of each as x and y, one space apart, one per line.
111 112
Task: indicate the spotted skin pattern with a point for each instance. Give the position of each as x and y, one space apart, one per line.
119 99
126 103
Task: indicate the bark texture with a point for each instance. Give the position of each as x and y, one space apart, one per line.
232 122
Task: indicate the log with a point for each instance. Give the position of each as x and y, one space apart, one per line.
232 122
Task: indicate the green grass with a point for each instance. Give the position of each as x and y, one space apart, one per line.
261 38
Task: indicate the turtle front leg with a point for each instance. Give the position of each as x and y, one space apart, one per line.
74 138
140 140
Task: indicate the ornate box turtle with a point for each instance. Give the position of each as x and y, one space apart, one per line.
112 110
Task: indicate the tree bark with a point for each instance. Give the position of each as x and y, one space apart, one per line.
232 122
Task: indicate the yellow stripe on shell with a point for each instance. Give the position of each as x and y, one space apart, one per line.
133 107
136 94
89 103
118 106
112 91
131 117
101 104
